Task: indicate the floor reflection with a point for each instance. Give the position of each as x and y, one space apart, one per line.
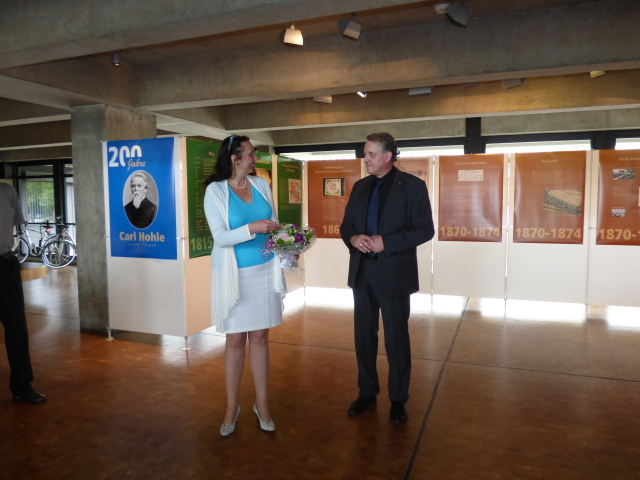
499 389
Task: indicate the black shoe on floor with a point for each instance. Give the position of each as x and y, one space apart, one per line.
31 397
398 413
361 404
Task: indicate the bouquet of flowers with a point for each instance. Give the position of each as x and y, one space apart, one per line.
289 242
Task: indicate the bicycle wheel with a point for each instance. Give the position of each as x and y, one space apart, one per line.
22 247
58 253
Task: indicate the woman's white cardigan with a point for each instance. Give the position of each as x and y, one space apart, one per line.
224 268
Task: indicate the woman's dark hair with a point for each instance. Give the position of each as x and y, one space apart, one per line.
224 169
387 143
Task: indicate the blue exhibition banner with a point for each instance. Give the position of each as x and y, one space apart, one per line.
142 203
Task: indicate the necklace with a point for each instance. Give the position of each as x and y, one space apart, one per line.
243 187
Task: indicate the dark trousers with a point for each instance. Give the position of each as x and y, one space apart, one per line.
369 302
14 321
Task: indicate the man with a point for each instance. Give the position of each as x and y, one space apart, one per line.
388 215
12 314
140 210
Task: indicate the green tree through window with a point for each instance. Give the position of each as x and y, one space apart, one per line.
40 201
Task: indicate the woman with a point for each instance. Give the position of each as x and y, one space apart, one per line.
246 288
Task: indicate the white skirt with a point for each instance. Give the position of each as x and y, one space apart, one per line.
260 305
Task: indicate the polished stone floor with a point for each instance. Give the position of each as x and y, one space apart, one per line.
518 391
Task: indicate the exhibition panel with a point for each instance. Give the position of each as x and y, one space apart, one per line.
549 197
200 163
547 255
469 251
289 190
470 194
512 226
330 183
613 262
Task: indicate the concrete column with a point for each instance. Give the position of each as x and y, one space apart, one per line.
89 126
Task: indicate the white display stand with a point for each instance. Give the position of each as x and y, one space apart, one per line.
327 264
549 272
469 269
165 297
614 273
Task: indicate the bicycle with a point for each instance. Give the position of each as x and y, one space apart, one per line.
55 250
23 246
59 249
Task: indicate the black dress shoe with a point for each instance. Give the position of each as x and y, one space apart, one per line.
361 404
398 413
31 397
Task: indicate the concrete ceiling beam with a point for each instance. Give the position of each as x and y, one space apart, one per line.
529 44
36 134
358 133
30 154
208 116
189 128
13 112
23 91
555 122
618 89
72 83
594 120
40 30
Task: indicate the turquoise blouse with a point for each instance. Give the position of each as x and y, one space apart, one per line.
249 254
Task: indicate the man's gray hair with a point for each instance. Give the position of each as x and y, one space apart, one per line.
387 143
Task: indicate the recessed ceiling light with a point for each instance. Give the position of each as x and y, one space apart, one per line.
420 91
458 14
512 82
323 99
362 94
350 27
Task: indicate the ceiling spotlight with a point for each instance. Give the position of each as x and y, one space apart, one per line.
420 91
596 73
441 7
349 27
115 58
323 99
458 14
513 82
362 94
291 36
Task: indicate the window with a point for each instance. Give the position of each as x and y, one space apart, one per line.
46 191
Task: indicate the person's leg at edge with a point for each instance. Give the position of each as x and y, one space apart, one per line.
366 315
12 317
395 318
234 349
259 359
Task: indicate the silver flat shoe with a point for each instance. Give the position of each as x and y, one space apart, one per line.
266 426
226 430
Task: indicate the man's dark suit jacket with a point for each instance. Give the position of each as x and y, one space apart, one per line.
142 216
406 222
